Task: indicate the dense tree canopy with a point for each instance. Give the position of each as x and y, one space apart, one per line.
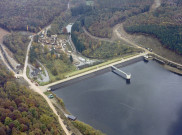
98 49
17 44
100 18
17 15
22 111
165 23
121 3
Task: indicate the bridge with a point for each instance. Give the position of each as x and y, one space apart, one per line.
121 73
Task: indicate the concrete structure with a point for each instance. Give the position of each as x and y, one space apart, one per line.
68 27
121 73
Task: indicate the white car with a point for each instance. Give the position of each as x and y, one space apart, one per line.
49 89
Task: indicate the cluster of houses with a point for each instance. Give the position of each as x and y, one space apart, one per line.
48 40
53 41
62 44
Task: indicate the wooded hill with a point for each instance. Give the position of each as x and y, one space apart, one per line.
100 18
22 111
17 15
94 48
17 43
121 3
165 23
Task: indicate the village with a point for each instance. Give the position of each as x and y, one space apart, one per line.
60 43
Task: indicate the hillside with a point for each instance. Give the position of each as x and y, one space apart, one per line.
17 15
17 43
165 23
23 111
99 49
121 3
100 19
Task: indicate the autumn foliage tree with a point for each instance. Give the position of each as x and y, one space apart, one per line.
24 112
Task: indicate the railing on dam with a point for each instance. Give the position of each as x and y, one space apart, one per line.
121 73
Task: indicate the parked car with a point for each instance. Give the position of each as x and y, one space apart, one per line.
50 96
49 89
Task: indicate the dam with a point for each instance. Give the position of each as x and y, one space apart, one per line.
67 82
150 105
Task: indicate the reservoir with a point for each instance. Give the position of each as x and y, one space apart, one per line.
150 105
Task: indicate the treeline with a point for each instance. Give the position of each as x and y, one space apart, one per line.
17 15
17 43
76 30
169 36
98 49
23 111
165 23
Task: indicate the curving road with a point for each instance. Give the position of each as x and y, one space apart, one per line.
38 90
96 38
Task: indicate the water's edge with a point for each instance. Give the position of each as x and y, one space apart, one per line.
91 75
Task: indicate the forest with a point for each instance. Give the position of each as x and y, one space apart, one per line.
17 15
101 18
59 23
86 129
165 24
17 43
98 49
121 3
22 111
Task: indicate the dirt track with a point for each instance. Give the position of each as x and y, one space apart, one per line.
96 38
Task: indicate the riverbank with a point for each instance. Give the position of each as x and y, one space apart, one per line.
174 70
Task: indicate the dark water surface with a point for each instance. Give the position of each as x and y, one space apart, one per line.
150 105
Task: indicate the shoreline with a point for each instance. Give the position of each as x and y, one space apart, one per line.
96 73
168 65
174 70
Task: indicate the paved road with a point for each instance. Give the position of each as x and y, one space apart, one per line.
39 91
45 78
27 56
32 85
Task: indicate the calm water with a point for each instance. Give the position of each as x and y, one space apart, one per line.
150 105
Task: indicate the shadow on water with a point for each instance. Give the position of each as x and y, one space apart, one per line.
176 127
